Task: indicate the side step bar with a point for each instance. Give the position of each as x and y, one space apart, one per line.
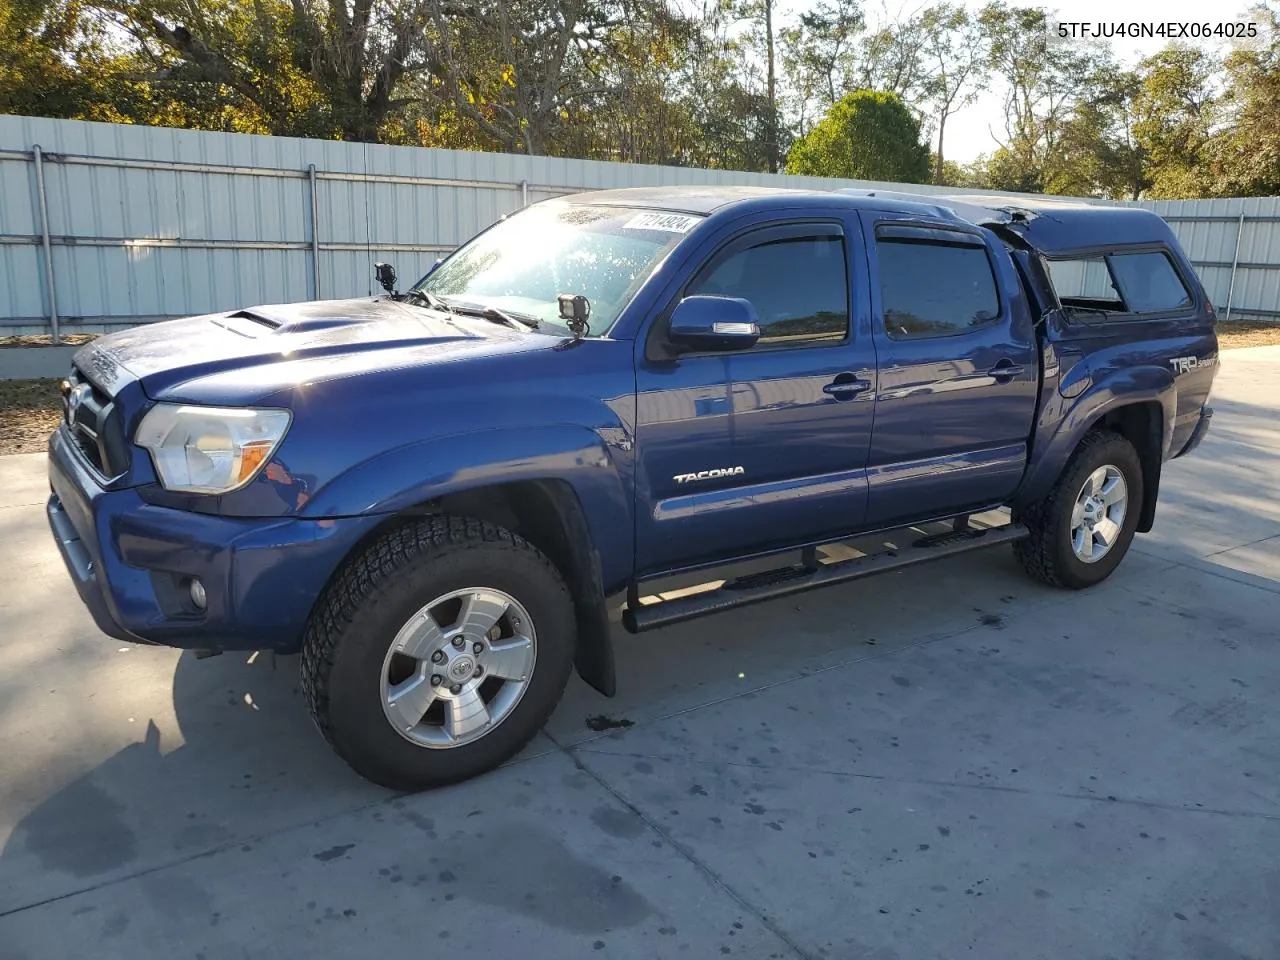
784 581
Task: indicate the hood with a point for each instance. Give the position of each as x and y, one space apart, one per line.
320 338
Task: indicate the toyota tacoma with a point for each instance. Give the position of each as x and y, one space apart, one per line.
439 496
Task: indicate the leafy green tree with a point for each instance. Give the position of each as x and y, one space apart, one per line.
1178 112
892 59
51 61
295 68
721 90
759 70
818 54
1043 82
1246 158
954 55
867 135
1098 152
961 175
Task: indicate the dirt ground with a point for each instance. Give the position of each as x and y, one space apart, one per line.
29 412
30 409
1248 333
43 340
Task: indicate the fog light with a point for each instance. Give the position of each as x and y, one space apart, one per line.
197 594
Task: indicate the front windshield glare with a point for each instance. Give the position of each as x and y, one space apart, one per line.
525 262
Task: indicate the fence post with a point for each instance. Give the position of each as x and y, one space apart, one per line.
38 156
524 193
315 233
1235 263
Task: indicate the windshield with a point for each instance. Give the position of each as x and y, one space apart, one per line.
525 262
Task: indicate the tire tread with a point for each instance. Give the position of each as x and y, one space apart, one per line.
369 574
1037 553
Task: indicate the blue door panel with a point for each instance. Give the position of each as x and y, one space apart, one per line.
802 450
953 413
914 490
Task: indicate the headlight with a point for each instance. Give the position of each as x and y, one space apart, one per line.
210 449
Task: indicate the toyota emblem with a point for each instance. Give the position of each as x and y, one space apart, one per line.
75 399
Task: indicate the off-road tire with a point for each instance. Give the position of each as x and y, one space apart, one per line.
1047 553
375 594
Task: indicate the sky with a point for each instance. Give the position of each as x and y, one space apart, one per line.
968 132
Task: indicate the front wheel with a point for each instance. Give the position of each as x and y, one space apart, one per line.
438 652
1082 529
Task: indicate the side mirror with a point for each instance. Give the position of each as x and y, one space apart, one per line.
386 276
714 323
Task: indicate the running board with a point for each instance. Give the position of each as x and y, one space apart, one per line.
770 584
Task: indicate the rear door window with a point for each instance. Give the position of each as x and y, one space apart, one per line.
1148 282
935 288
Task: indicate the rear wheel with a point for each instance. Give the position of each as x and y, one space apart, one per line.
1081 531
438 652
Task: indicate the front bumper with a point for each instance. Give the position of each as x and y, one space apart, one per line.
132 563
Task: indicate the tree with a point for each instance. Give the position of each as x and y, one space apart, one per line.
636 112
867 135
721 88
955 51
293 67
817 54
1178 114
1098 152
517 69
51 60
956 175
762 42
1043 83
1246 159
891 59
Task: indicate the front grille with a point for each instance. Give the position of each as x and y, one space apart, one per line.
96 425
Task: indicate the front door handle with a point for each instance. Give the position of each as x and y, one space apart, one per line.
1005 370
846 386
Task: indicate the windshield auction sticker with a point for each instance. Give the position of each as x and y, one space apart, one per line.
670 222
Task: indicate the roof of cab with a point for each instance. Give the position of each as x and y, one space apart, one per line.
1051 226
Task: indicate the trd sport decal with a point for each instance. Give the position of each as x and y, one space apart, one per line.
1187 364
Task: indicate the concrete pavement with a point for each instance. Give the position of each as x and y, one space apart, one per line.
948 761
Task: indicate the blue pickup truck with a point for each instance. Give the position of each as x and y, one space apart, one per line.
440 496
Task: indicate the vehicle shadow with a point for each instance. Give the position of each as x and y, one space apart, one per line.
242 760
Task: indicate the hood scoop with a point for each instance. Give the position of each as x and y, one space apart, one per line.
272 322
313 317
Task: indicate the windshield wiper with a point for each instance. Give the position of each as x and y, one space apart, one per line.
437 302
431 300
517 321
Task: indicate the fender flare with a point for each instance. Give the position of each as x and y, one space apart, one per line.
576 474
1107 393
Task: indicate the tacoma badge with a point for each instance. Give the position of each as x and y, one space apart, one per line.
715 474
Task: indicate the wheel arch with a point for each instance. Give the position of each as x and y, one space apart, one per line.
557 486
1139 403
1143 424
548 513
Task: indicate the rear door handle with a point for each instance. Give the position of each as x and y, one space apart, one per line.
846 386
1005 370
